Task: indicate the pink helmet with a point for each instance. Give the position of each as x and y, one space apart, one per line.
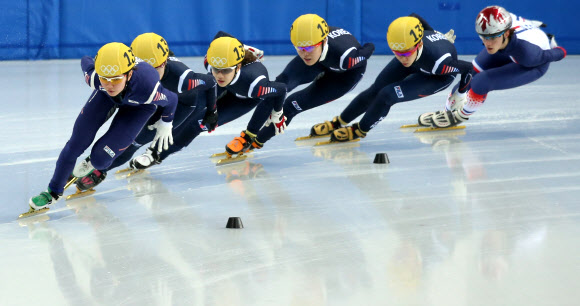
492 21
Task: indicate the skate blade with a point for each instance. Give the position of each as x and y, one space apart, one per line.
33 212
135 172
323 143
72 181
122 174
409 126
80 194
226 154
229 160
310 137
435 129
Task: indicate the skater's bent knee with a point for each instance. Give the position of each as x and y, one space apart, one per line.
102 159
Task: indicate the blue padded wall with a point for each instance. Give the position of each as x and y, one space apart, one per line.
51 29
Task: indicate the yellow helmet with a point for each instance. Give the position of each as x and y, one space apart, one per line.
404 33
225 52
114 59
308 30
151 48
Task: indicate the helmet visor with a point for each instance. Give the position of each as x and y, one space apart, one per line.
223 71
309 48
113 80
406 53
491 36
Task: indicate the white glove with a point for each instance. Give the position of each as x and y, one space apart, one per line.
259 54
279 121
450 36
163 134
456 100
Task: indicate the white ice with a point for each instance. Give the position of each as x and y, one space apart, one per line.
485 216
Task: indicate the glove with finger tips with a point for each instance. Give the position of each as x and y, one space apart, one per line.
210 120
279 121
163 135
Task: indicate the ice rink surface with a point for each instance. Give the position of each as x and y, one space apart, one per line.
485 216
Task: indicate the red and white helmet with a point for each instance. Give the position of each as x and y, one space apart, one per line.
493 20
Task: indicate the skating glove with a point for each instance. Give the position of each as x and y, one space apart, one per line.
163 134
449 35
279 121
210 120
259 54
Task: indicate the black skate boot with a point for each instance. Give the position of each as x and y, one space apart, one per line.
91 180
149 158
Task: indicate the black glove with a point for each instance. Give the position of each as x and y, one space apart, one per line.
210 120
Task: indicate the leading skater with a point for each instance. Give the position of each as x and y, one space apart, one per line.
195 98
121 82
517 52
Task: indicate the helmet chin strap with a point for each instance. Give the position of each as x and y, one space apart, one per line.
419 52
503 41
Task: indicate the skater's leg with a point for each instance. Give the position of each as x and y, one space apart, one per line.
92 117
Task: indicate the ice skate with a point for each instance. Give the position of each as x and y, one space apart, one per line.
39 204
237 148
227 158
448 119
324 129
140 163
85 186
425 123
424 120
84 168
345 134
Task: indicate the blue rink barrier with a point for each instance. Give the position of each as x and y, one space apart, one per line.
61 29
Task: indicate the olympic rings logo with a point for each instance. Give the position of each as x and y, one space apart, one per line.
218 62
398 46
151 61
109 70
304 43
